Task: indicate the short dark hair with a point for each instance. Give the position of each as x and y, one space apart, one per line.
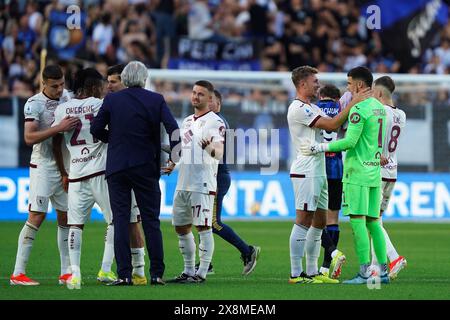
205 84
330 91
117 69
52 72
363 74
218 96
387 82
301 73
91 78
86 79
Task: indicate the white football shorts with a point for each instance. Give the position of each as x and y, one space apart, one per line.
84 194
386 191
192 208
310 193
46 185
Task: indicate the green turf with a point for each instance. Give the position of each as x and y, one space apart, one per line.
425 246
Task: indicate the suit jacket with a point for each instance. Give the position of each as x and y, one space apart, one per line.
129 121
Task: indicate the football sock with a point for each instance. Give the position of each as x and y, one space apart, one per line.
391 252
75 241
333 231
374 256
138 261
25 243
205 251
361 240
364 270
186 243
63 236
108 253
228 234
328 245
312 249
379 244
297 248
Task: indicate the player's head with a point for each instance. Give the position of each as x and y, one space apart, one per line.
89 83
383 88
216 102
305 81
202 94
358 79
53 81
134 74
329 91
114 80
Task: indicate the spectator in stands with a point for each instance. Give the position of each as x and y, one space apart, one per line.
443 52
325 34
163 16
200 21
103 35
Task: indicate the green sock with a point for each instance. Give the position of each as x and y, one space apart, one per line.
379 243
361 240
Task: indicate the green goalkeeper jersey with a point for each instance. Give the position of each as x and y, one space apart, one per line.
364 143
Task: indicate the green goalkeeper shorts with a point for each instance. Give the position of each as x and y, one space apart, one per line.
361 200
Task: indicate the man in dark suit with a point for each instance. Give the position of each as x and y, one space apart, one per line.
129 121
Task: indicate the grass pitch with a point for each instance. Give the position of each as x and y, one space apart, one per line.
425 245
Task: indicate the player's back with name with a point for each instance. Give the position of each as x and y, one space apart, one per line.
87 154
395 122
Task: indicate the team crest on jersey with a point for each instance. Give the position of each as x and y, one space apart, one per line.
188 123
355 118
51 105
396 120
222 131
308 112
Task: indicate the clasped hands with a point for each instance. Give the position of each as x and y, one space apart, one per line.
308 148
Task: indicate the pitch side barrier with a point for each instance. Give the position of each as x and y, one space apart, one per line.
252 196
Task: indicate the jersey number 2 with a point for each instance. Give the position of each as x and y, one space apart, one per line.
76 132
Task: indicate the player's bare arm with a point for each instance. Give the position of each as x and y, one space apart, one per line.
383 160
170 166
333 124
57 152
215 149
33 135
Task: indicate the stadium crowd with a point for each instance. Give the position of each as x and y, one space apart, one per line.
330 35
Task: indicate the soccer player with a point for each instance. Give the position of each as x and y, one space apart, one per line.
249 254
395 122
329 103
46 182
136 238
362 177
87 184
306 121
202 145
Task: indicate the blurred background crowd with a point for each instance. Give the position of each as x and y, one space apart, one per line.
328 34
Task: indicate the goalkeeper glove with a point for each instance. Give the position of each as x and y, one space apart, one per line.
308 148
